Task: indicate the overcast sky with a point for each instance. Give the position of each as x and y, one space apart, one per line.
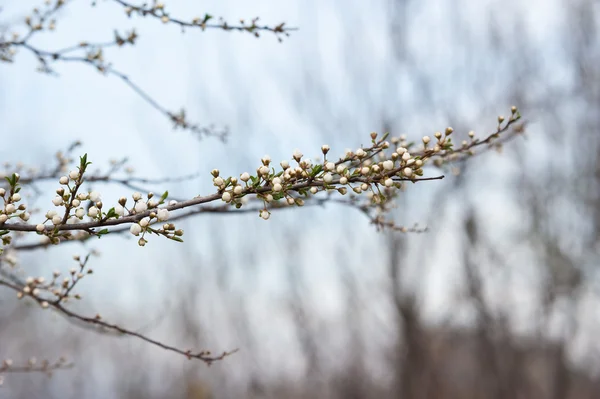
332 82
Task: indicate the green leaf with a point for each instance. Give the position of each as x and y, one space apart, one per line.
207 17
175 238
102 232
111 213
4 232
164 197
278 196
316 170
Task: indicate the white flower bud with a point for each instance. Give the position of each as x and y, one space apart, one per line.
145 222
407 172
56 220
63 180
388 165
330 166
162 214
136 196
74 174
264 214
140 206
245 177
16 197
58 200
135 229
10 208
80 213
119 210
95 196
218 181
40 227
93 212
327 178
226 196
263 170
343 180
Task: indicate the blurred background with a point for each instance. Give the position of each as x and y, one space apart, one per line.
497 300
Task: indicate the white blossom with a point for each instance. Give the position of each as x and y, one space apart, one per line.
58 200
95 196
135 229
93 211
140 206
162 214
119 210
388 165
218 181
264 214
245 177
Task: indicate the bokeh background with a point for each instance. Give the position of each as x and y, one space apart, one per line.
497 300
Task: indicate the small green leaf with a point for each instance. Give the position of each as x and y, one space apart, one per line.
207 17
316 170
111 213
164 197
102 232
175 238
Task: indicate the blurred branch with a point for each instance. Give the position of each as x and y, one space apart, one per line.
24 289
